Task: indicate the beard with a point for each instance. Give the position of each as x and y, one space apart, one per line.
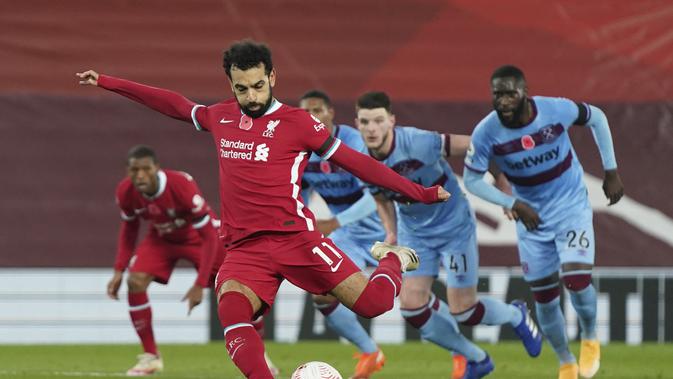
259 112
516 115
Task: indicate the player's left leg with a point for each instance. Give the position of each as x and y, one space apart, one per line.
258 324
461 262
152 262
576 252
237 305
193 253
431 316
140 312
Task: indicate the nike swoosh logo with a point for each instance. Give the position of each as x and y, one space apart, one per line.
223 121
336 267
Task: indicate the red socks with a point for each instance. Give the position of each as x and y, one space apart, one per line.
258 324
244 345
141 316
384 285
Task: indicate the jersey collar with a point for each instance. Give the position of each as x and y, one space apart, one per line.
275 105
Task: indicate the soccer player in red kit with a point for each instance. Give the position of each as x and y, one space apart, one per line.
181 227
263 147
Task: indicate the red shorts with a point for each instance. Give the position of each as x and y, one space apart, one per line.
158 258
307 259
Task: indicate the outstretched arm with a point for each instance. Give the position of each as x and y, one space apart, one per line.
371 171
612 183
170 103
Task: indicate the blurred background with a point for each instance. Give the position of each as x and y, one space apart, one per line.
63 147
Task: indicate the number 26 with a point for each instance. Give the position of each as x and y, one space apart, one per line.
574 239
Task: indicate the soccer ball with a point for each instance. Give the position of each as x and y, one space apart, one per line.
316 370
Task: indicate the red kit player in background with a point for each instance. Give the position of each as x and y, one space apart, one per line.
263 147
182 227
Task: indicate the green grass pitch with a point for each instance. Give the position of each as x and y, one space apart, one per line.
410 360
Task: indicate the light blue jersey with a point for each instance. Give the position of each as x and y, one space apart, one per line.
542 166
340 189
538 158
443 231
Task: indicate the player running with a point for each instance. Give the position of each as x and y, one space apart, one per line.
527 137
354 228
442 234
263 148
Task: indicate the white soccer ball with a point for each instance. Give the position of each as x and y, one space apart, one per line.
316 370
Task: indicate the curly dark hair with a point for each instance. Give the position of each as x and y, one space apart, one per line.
141 151
372 100
247 54
317 94
508 71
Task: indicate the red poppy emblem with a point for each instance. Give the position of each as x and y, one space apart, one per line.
325 167
245 123
527 142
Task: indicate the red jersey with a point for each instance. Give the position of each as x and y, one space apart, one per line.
261 164
262 160
174 212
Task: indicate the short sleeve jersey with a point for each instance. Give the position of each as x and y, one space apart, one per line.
174 212
537 158
419 155
339 188
261 163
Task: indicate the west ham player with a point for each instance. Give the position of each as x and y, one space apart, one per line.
442 234
181 227
527 137
354 228
263 148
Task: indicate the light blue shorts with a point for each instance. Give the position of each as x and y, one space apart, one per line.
458 254
357 250
543 251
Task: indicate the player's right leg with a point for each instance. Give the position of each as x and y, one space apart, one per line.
576 245
540 263
552 323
